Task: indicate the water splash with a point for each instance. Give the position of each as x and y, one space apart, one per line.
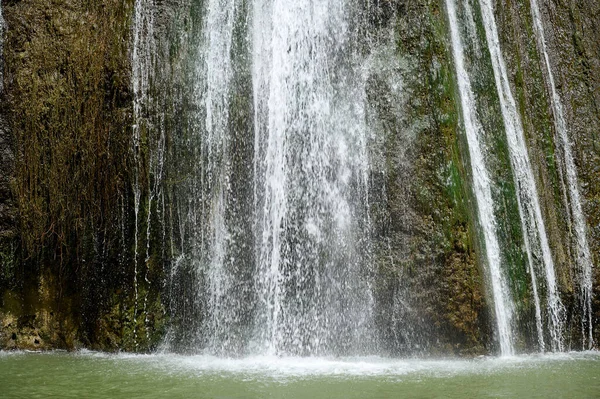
583 259
536 240
503 305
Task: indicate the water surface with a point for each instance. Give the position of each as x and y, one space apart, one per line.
98 375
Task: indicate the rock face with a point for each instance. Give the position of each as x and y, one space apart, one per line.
8 220
67 107
425 242
7 207
91 228
571 41
573 45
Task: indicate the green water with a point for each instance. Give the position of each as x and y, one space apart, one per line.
94 375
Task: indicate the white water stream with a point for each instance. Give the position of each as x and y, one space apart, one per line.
583 258
536 240
142 62
309 293
503 305
310 163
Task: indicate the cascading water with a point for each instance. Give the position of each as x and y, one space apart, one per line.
271 217
583 257
310 280
215 72
295 123
142 60
536 241
503 305
302 286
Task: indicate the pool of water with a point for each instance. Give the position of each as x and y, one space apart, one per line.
99 375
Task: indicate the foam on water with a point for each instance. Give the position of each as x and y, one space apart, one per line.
274 367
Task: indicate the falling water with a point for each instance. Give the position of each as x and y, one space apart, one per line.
312 294
142 59
275 232
303 289
532 221
215 70
483 192
584 260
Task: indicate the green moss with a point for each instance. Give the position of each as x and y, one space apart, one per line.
426 242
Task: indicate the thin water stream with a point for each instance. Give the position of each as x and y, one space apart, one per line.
142 63
583 257
503 304
536 239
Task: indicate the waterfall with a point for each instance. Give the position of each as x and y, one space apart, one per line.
583 258
272 214
142 61
311 148
536 241
503 305
301 286
215 72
